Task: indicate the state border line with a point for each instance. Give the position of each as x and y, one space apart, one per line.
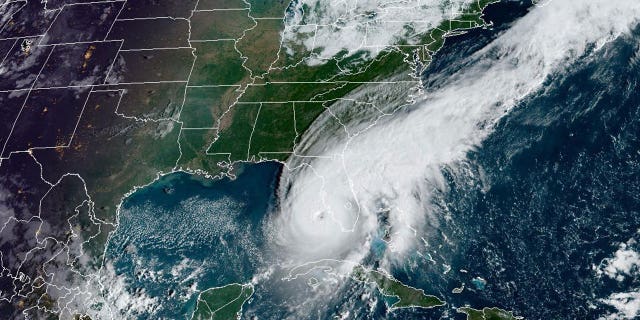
213 85
186 88
9 52
222 9
50 25
253 129
114 21
151 49
68 145
211 40
113 63
94 85
22 37
11 16
150 18
89 2
4 147
78 42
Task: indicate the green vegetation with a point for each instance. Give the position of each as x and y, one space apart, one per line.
264 73
470 18
194 142
488 314
221 4
205 105
286 92
235 139
217 63
151 100
259 47
268 8
408 297
113 154
305 113
274 130
215 25
223 303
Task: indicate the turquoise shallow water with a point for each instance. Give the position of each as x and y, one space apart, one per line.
185 233
549 195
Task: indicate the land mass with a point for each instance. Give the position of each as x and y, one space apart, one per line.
222 303
488 314
408 297
225 92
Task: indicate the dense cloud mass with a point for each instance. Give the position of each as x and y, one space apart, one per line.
330 27
331 202
358 191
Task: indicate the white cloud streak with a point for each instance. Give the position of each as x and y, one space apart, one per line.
329 204
329 27
625 262
627 305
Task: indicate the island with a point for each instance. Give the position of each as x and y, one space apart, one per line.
408 297
488 314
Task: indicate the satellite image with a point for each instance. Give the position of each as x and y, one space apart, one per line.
320 159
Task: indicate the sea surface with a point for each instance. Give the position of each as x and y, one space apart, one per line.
524 223
551 194
185 233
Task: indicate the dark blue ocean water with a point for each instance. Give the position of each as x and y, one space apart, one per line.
550 193
186 232
564 186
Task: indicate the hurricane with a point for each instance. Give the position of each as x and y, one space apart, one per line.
376 170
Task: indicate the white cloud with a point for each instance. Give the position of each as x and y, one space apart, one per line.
367 25
329 205
108 296
624 262
627 304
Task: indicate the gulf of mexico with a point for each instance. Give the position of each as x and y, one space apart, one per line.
184 233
